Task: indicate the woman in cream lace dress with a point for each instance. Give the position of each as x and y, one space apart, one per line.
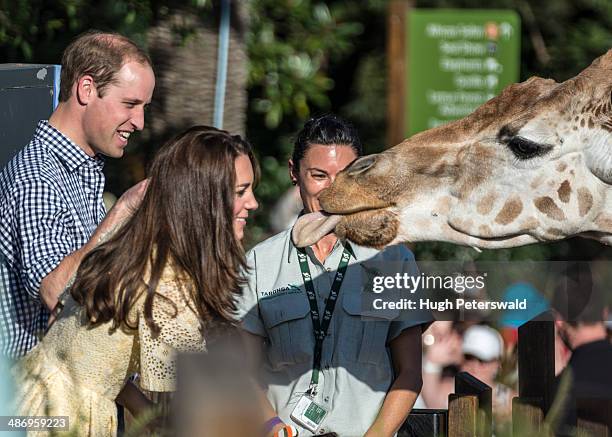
164 282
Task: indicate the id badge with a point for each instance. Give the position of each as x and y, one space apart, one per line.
308 414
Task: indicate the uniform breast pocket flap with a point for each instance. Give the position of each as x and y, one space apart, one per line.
373 327
289 329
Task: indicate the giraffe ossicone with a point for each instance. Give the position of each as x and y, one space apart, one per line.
532 164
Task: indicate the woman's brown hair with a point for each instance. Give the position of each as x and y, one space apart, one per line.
186 217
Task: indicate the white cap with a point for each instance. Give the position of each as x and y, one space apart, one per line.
482 342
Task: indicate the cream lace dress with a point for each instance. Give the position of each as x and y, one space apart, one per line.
78 371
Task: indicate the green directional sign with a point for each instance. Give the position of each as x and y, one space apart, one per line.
457 60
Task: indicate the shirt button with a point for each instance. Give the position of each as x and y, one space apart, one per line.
326 399
328 269
322 431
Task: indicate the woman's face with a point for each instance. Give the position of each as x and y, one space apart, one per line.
318 169
244 199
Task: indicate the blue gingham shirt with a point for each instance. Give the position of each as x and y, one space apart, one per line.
50 205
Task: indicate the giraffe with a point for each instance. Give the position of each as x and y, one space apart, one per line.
532 164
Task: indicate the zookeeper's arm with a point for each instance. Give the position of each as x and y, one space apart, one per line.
254 346
406 356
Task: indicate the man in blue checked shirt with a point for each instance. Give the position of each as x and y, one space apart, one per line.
51 210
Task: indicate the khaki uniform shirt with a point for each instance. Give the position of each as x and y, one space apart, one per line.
356 363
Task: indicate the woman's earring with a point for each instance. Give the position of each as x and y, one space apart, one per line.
294 182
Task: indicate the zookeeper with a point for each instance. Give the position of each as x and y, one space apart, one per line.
363 376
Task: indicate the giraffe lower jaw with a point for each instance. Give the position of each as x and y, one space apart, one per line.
497 242
500 237
310 228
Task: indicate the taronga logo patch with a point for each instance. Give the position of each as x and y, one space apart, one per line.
289 289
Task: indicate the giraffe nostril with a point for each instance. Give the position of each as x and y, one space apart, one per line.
361 165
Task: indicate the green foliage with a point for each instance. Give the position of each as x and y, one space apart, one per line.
290 43
370 85
149 418
37 30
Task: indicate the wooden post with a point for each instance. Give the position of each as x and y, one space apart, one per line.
397 70
527 417
466 384
536 366
536 360
462 415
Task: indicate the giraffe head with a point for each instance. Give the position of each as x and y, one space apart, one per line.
532 164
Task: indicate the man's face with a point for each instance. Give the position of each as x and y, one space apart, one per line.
109 121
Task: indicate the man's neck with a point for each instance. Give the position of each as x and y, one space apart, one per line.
64 120
588 334
323 248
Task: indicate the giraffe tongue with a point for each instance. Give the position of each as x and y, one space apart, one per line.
310 228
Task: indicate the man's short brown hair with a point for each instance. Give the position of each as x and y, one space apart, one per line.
99 55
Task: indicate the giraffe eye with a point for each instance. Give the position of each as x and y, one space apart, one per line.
526 149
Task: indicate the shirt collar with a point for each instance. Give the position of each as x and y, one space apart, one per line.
65 149
346 244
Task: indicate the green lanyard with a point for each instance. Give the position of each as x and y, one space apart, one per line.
320 327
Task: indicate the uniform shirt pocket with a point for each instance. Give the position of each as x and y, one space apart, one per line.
366 341
289 327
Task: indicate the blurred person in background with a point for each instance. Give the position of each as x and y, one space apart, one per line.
442 359
481 354
164 281
483 349
582 312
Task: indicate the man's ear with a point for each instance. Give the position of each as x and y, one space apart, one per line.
292 172
85 89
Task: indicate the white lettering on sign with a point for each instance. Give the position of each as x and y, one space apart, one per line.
466 31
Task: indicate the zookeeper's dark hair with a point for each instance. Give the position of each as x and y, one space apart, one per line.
326 129
186 218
